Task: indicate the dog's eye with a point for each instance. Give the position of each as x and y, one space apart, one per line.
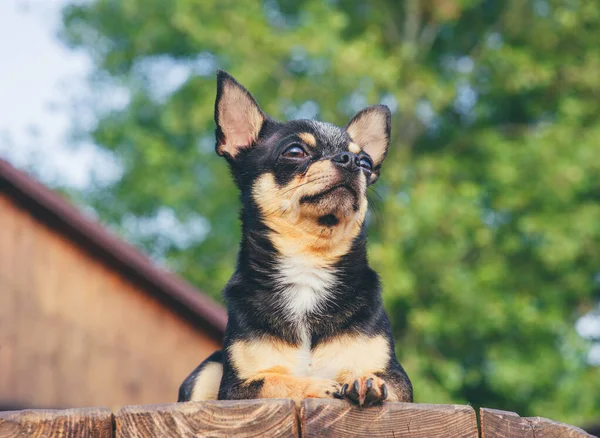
294 151
365 163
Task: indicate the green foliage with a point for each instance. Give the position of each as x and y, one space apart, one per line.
488 232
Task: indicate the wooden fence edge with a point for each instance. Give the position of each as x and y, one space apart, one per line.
264 418
279 417
325 418
503 424
50 423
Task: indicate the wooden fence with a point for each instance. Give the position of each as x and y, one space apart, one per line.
279 418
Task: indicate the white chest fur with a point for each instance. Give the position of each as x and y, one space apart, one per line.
305 287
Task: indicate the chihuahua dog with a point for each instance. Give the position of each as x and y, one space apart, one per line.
305 311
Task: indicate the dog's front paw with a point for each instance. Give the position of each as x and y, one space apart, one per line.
366 390
322 388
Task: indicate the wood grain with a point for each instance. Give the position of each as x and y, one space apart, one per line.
325 418
46 423
244 418
74 331
503 424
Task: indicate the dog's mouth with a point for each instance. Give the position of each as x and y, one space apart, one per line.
333 190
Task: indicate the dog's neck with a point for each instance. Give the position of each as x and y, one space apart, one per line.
271 242
298 292
299 268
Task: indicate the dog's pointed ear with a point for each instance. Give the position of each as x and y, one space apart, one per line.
238 117
370 129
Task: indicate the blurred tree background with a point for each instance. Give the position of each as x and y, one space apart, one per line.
486 221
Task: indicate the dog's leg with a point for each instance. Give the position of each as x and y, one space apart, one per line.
374 388
277 383
297 388
203 383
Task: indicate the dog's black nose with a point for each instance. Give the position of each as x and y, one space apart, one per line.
347 160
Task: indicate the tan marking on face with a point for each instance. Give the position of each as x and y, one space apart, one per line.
239 119
308 138
354 148
294 226
206 385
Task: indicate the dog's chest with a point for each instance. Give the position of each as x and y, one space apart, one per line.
306 285
303 365
328 360
305 288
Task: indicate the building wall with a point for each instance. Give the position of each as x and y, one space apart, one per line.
75 333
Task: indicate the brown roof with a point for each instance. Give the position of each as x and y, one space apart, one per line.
51 209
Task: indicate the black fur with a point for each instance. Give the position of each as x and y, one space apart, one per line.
186 388
253 295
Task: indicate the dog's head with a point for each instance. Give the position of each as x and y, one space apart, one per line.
307 180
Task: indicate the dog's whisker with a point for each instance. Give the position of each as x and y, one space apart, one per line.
305 183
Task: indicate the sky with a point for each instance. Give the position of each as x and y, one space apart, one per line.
39 78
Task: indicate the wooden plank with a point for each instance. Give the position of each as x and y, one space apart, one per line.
503 424
47 423
243 418
326 418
